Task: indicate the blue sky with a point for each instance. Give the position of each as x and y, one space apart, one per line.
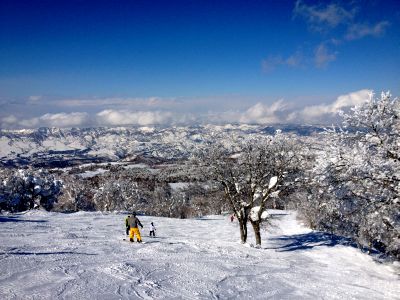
81 63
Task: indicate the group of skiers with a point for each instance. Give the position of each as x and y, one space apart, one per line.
132 224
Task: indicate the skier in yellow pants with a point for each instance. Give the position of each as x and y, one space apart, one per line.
133 223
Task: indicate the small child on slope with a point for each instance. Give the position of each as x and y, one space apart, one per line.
152 230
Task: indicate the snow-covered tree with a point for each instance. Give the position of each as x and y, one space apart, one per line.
77 194
26 189
356 178
252 173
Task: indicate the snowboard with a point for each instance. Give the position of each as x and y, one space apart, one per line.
135 242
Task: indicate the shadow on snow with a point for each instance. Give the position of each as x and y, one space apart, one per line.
46 253
4 219
310 240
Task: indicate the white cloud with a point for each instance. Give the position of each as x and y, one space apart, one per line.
104 118
273 61
123 117
351 99
326 112
223 117
29 123
282 112
8 121
270 63
34 98
294 60
316 16
64 119
56 120
323 57
265 114
358 31
339 22
119 102
259 113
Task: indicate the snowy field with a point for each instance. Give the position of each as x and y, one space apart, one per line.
83 256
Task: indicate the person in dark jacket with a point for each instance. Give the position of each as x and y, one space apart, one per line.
127 225
134 224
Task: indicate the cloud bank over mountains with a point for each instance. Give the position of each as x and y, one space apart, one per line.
167 112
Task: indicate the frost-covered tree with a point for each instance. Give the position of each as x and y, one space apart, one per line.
252 173
356 178
77 194
27 189
205 198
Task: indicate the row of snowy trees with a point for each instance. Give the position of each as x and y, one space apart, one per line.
117 189
143 191
353 183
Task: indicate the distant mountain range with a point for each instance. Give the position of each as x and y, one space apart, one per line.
55 147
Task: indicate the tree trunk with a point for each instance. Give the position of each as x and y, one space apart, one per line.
257 233
243 231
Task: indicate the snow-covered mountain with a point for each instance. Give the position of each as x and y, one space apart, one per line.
63 147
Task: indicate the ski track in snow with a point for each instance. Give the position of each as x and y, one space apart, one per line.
83 256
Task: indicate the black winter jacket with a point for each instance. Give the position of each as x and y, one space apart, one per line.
134 222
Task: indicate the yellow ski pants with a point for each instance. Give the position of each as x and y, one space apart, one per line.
132 233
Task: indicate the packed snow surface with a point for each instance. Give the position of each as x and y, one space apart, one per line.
83 256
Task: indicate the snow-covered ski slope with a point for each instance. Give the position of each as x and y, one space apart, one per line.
83 256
